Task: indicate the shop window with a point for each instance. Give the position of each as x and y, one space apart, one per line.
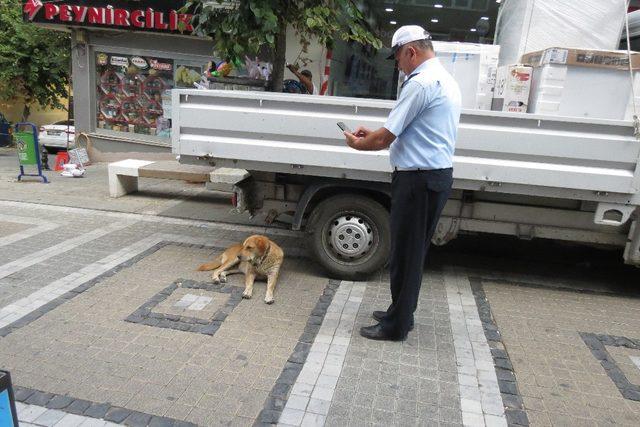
133 92
129 93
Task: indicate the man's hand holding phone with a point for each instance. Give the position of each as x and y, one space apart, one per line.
343 127
360 132
353 137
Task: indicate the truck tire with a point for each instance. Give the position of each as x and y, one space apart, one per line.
350 236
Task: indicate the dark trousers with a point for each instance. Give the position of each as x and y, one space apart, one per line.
417 200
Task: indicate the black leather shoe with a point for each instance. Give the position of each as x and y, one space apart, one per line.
379 315
376 332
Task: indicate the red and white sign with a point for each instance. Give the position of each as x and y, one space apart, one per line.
31 7
157 65
144 15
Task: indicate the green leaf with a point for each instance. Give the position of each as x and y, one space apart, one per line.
226 27
257 11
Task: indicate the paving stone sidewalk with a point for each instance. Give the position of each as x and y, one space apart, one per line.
170 198
72 340
40 416
573 353
109 322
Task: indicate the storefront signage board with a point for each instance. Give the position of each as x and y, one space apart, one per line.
138 15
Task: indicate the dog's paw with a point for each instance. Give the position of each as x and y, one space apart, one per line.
216 280
223 279
269 300
246 295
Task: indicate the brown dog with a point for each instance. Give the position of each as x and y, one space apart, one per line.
257 257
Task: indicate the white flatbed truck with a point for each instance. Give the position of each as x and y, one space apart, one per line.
524 175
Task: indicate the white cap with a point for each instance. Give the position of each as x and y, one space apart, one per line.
407 34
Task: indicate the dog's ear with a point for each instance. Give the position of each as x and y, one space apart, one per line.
262 243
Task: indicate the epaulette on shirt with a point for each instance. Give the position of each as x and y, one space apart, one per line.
408 78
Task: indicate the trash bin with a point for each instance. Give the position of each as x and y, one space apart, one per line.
5 136
8 413
28 149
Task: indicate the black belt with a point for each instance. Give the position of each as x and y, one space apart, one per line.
399 169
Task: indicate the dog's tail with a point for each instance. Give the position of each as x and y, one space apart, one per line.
217 262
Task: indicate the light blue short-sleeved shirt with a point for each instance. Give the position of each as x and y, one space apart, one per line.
425 119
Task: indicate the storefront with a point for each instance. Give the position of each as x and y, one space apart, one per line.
131 87
126 57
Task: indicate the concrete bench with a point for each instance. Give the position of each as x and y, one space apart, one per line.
124 175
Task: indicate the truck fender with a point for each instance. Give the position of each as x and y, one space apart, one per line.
312 189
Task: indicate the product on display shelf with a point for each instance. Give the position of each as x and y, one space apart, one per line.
163 127
150 106
153 86
131 85
186 75
584 83
511 92
130 111
473 66
129 92
110 82
224 68
532 25
109 106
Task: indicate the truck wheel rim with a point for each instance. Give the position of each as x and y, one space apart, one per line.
350 237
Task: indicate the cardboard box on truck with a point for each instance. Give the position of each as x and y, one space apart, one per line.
582 82
511 93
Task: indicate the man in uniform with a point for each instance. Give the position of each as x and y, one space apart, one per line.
420 133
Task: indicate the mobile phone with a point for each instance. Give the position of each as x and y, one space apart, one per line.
344 127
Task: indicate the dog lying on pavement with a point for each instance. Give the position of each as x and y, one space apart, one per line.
257 258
